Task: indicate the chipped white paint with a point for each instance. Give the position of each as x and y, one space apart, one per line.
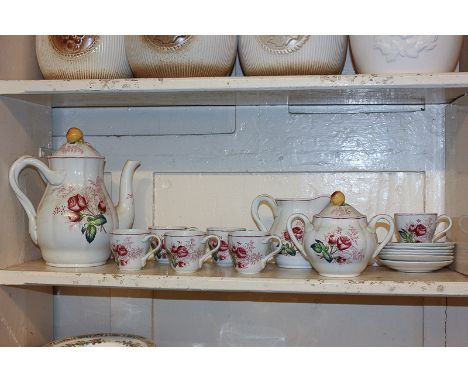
374 281
332 89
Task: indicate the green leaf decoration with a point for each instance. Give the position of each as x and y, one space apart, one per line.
90 233
319 247
327 256
406 236
100 220
83 229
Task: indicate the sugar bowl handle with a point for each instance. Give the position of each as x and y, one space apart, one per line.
371 228
268 200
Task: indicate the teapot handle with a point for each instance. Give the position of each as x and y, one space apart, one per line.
267 199
371 227
53 177
296 242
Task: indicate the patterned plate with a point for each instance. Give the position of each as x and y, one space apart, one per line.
102 340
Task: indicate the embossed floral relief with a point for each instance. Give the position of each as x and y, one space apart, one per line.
409 46
282 44
73 45
168 42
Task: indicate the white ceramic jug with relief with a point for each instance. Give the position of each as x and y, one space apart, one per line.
339 242
76 214
282 208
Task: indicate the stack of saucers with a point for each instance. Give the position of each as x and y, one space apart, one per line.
417 257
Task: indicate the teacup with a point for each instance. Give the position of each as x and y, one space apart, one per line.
222 257
131 247
186 249
161 254
250 250
420 228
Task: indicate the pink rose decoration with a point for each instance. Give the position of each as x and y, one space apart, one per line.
74 216
332 239
102 206
241 265
224 246
181 264
297 231
343 243
123 261
241 252
182 251
121 250
221 257
412 227
420 230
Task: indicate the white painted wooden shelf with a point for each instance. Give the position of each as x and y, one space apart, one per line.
293 90
374 281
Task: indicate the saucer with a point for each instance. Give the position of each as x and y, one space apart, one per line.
444 245
417 252
416 258
415 266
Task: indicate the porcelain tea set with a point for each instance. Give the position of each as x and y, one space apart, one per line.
77 225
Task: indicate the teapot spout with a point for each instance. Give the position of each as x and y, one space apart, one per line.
126 207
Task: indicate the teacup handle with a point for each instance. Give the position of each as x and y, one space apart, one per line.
371 227
254 210
275 252
152 251
208 254
444 231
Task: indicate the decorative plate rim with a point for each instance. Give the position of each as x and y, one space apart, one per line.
146 341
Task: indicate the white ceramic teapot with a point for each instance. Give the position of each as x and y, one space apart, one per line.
76 214
339 242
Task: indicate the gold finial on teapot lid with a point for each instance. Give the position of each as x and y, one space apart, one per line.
74 135
337 198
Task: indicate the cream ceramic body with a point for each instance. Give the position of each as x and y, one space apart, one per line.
74 200
290 256
405 54
420 228
187 249
82 57
222 256
181 55
338 242
131 247
251 250
279 55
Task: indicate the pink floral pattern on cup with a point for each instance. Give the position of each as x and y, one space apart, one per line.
222 257
250 250
131 248
420 228
187 249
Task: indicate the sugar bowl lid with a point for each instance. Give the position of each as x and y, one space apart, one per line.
338 209
76 147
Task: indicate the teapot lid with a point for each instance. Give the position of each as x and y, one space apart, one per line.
338 209
76 147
